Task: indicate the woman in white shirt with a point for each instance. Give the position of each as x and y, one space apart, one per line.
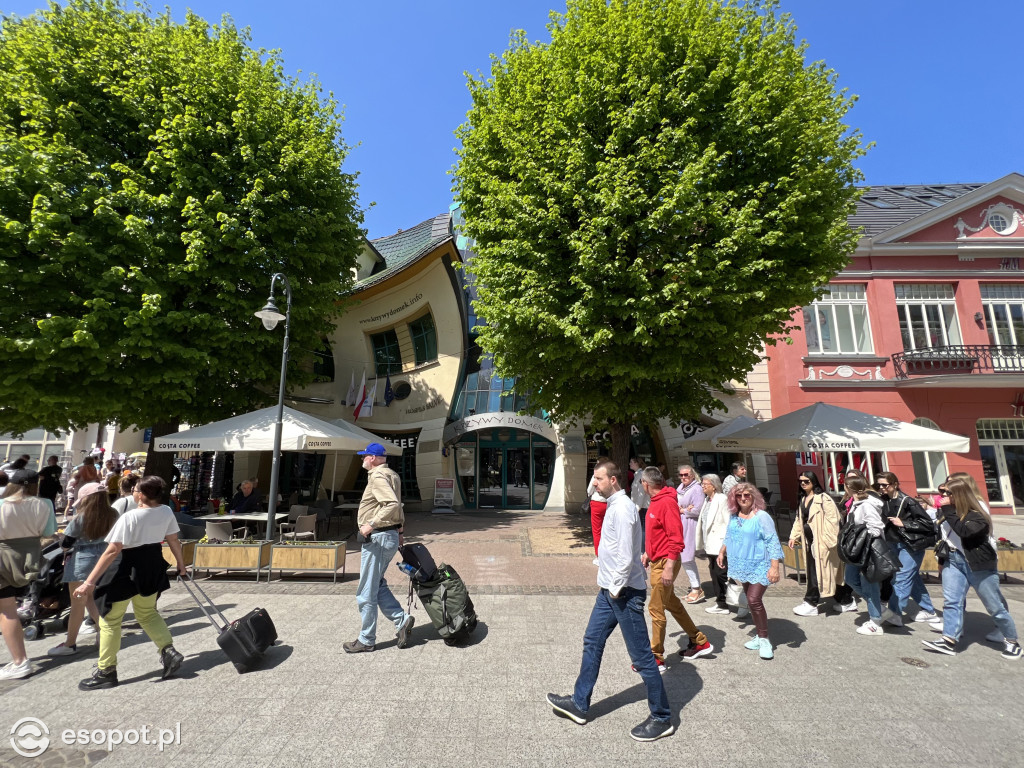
711 527
24 519
138 536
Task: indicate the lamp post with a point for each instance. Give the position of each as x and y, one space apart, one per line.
271 316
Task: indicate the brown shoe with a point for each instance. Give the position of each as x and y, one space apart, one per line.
356 647
695 596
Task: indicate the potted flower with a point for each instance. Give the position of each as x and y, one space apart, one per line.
311 556
1010 556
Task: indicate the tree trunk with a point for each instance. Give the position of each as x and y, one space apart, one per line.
161 463
620 446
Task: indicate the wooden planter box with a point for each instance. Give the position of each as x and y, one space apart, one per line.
1011 560
792 558
326 556
188 553
233 557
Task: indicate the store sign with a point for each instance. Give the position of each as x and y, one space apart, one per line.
500 420
404 440
444 492
388 314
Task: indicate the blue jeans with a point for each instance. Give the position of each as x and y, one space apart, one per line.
908 582
872 593
373 590
957 577
626 611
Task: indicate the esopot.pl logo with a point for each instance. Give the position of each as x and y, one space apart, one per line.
30 737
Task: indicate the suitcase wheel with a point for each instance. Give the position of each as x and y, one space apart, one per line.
450 641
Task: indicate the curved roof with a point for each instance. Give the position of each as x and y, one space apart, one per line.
408 246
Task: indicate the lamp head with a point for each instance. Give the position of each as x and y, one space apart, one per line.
270 315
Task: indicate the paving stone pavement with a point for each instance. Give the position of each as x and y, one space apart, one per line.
830 696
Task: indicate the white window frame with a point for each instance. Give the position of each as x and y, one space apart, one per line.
841 298
945 331
1004 296
831 470
931 465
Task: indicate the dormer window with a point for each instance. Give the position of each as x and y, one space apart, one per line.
1002 220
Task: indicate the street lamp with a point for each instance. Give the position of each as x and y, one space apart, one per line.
271 316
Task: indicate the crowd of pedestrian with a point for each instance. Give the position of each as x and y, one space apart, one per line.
869 545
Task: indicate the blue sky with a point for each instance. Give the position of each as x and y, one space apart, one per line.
938 82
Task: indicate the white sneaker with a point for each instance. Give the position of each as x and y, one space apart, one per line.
924 616
716 609
16 671
806 609
63 650
893 619
870 629
995 636
845 607
936 626
87 628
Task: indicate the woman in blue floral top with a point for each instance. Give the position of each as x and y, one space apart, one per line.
754 553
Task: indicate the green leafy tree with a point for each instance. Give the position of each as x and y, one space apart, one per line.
153 176
650 194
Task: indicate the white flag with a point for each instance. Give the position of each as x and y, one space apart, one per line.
370 397
350 398
360 398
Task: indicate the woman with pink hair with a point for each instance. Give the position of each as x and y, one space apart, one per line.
754 552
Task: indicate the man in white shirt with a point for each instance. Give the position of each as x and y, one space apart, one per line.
739 475
620 602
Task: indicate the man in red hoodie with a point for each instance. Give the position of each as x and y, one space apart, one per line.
664 530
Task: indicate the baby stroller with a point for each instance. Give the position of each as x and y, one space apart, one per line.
48 598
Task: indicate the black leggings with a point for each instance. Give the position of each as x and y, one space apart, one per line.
719 578
844 594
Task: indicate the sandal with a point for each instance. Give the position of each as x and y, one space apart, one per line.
695 596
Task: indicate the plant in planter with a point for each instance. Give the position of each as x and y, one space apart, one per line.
323 556
1004 543
234 555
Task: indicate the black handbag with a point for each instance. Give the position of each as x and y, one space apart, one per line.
853 542
942 550
881 562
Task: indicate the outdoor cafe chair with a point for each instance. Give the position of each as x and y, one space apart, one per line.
294 511
305 528
224 531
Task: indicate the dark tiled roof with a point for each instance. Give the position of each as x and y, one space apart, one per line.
408 246
882 208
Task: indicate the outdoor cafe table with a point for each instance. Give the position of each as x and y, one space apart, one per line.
253 517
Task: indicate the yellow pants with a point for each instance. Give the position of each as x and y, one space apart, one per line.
150 621
663 597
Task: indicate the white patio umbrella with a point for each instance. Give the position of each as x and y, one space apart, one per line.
254 431
822 427
705 441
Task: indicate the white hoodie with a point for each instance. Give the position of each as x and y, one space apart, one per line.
869 512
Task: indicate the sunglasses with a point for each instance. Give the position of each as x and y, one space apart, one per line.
885 485
684 474
943 493
745 495
805 481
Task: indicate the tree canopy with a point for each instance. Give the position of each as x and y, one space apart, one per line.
651 193
153 176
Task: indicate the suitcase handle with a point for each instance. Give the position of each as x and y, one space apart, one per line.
199 602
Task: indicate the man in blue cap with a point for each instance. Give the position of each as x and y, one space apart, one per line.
380 521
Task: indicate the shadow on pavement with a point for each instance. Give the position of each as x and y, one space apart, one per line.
682 682
786 632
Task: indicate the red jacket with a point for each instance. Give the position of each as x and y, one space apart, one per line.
664 527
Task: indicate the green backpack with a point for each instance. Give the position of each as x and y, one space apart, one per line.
447 602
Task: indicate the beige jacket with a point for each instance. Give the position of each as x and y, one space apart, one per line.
381 505
823 518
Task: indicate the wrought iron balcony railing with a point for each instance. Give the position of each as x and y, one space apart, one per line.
959 359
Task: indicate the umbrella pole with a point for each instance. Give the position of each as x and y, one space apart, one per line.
334 479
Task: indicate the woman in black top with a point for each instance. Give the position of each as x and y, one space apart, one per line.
910 531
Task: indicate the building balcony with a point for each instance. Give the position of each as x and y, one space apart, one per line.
939 365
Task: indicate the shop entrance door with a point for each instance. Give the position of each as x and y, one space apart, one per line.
504 477
1003 464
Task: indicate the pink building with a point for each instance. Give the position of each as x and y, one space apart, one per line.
926 324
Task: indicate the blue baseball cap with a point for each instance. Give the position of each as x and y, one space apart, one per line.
373 449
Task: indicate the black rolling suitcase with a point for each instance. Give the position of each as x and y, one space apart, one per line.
243 640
